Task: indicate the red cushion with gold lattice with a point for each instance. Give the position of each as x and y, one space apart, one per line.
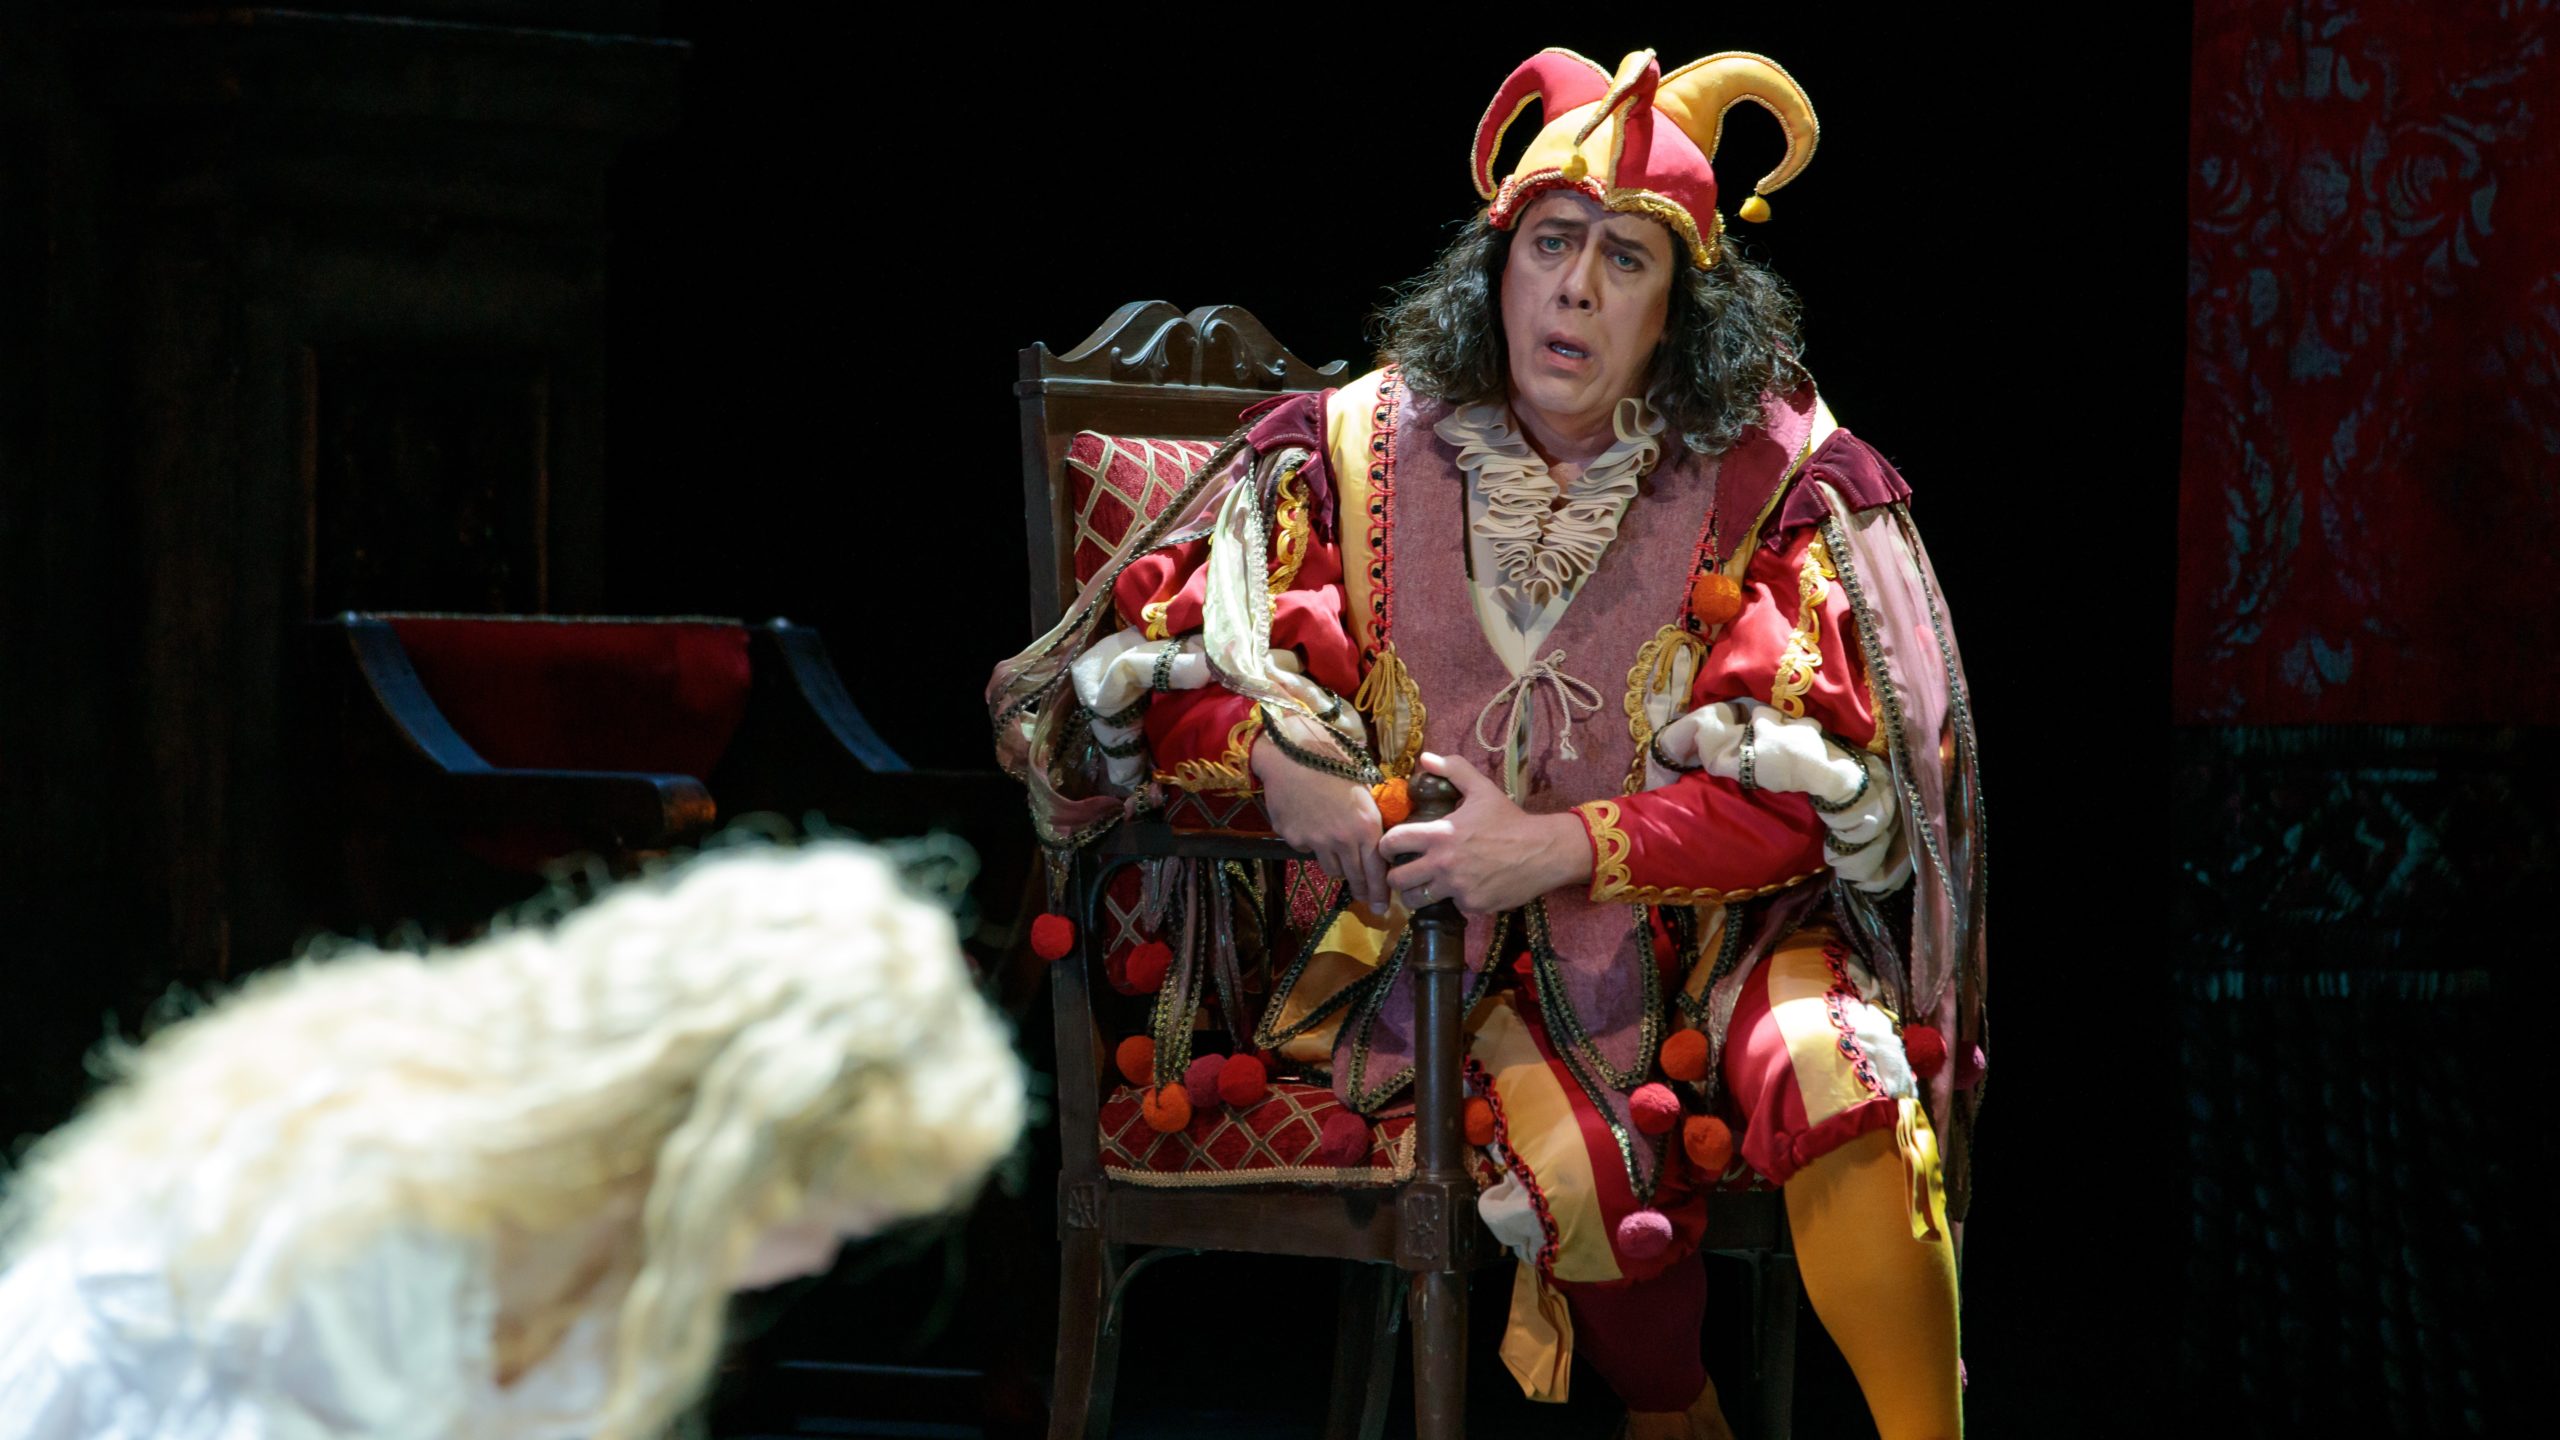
1274 1141
1114 481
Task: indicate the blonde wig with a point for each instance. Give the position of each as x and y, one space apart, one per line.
750 1035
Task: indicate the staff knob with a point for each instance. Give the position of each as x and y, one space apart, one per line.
1433 797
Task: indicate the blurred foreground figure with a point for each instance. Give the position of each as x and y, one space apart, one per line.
505 1192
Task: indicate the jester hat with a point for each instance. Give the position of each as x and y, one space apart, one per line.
1640 142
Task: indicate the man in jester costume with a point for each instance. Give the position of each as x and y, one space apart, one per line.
1592 547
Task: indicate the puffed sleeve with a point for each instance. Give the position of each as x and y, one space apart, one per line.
1731 818
1158 709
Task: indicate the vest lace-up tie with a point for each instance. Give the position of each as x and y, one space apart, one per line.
1570 695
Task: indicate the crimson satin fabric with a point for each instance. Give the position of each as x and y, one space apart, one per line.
2372 418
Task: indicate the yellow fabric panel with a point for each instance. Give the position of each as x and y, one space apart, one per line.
1711 923
1349 421
1546 1138
1799 978
1351 948
1537 1342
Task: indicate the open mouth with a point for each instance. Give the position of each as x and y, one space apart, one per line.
1569 352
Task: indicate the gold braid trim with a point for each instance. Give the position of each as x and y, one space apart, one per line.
1229 774
1609 846
1652 670
1394 705
1289 537
1803 654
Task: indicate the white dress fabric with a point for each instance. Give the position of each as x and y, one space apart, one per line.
393 1343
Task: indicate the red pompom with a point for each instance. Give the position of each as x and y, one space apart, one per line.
1479 1120
1927 1049
1709 1142
1655 1108
1345 1141
1200 1080
1969 1069
1052 936
1165 1110
1148 963
1243 1081
1136 1059
1684 1055
1644 1235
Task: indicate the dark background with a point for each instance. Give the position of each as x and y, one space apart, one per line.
815 269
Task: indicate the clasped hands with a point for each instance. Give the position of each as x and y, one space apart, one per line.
1488 855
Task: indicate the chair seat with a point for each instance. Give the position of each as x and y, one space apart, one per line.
1272 1142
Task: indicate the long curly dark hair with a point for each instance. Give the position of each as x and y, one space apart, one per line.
1731 337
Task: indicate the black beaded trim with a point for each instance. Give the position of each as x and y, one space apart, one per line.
1653 744
1866 777
1749 779
1361 769
1267 1038
1581 1054
1700 1013
1161 678
1123 719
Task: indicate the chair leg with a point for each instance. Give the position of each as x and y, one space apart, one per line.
1364 1352
1780 1296
1438 1313
1088 1356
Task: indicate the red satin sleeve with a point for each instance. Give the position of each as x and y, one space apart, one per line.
1203 739
1700 839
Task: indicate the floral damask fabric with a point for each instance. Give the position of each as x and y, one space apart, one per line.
2370 496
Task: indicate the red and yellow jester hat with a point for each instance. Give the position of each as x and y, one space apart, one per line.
1639 141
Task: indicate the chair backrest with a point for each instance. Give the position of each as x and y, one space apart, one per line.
1152 389
584 692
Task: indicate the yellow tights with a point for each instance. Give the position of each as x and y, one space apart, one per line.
1888 1300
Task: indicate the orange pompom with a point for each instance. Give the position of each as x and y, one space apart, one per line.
1714 598
1684 1055
1655 1108
1165 1110
1395 801
1244 1081
1052 936
1709 1142
1479 1120
1148 964
1136 1058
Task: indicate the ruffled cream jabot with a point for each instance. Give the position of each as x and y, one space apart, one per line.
1544 549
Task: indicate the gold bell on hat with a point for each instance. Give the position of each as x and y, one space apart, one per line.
1755 209
1575 167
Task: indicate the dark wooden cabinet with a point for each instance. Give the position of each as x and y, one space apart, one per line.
307 312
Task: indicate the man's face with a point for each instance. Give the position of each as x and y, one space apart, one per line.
1585 296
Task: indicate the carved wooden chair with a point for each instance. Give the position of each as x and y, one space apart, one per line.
1109 429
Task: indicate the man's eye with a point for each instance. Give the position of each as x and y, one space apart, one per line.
1551 244
1627 262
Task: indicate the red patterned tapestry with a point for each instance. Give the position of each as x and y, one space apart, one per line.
2370 498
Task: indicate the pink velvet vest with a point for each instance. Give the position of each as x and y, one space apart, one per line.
1593 963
